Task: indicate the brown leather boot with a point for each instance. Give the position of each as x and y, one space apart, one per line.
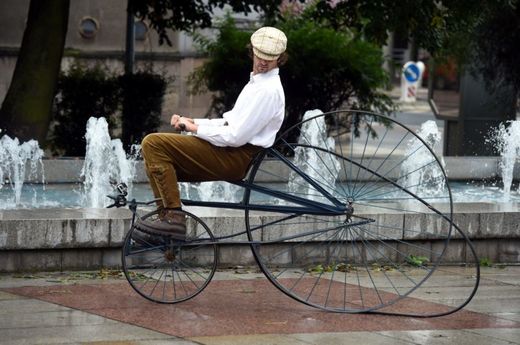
171 222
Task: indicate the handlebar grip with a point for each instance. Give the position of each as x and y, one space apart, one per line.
119 201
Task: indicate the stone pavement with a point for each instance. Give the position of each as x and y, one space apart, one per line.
241 307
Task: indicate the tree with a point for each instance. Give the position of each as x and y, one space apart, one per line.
499 57
26 110
186 15
485 31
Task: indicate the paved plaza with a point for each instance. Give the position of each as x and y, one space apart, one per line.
241 307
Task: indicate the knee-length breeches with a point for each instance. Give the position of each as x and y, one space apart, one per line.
171 158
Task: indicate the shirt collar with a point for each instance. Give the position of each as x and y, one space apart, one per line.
257 78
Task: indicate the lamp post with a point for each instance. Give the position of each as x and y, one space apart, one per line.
130 39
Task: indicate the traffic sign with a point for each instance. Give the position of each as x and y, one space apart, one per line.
410 80
412 73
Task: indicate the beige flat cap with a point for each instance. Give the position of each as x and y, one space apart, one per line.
268 43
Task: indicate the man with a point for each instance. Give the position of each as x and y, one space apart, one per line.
219 149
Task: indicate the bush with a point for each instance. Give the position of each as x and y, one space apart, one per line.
327 70
142 96
81 94
86 92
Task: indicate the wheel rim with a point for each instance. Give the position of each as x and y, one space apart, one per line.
164 270
377 256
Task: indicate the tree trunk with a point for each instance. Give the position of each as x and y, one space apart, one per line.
26 110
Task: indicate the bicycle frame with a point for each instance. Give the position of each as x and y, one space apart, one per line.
306 206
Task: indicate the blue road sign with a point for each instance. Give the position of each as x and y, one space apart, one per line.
411 73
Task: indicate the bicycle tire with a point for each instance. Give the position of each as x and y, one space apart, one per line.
391 244
168 271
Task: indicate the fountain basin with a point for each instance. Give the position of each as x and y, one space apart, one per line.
85 238
60 239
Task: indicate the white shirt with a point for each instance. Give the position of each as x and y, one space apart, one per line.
256 117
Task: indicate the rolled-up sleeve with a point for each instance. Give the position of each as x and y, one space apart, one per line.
247 120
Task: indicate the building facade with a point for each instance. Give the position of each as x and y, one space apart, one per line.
97 34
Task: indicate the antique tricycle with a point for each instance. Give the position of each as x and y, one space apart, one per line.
349 211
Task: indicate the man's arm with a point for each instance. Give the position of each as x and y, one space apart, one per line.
191 125
242 127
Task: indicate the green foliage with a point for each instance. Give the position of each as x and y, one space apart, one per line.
485 262
187 15
430 24
227 70
85 92
468 31
81 93
327 69
500 55
417 261
142 96
324 268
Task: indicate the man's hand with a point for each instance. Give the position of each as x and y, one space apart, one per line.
182 123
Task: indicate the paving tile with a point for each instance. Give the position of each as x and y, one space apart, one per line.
442 337
26 305
78 334
24 321
504 305
507 334
258 339
166 341
347 338
6 296
507 316
45 318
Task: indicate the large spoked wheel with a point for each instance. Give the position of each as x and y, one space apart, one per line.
364 211
165 270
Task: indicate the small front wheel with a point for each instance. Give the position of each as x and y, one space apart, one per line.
166 270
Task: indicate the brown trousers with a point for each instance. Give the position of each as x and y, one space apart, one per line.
170 158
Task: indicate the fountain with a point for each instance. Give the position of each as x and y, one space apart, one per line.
106 164
313 133
507 141
13 160
427 179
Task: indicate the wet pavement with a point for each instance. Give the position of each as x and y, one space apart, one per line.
241 307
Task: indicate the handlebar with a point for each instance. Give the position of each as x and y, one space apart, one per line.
120 198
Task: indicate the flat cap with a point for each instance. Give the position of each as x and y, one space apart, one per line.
268 43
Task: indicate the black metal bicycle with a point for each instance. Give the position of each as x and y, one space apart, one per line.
349 211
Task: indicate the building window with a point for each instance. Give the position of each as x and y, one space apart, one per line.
88 27
141 29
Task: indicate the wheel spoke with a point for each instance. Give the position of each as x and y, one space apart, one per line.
175 270
360 262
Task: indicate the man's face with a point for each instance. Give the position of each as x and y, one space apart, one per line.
263 66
